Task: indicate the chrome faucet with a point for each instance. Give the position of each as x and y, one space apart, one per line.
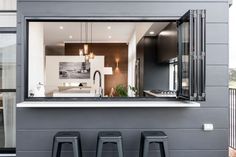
100 82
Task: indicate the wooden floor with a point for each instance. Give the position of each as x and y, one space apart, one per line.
232 152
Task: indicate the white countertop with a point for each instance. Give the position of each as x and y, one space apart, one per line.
102 104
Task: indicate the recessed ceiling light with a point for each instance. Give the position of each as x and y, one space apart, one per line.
61 27
108 27
151 32
109 37
70 36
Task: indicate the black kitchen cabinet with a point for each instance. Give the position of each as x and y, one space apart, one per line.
167 43
149 73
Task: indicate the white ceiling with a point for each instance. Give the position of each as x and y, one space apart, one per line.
120 32
156 28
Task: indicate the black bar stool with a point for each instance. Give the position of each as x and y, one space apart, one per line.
66 137
148 137
114 137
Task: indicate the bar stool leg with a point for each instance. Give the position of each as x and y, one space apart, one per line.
146 148
75 148
79 148
162 149
120 149
56 149
141 147
165 144
99 148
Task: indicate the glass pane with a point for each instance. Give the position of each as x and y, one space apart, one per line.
184 48
7 61
100 59
7 4
7 120
7 19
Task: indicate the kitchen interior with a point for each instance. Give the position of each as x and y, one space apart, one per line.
102 59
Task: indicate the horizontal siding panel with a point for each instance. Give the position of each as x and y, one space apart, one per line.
19 33
217 54
123 9
217 75
216 97
121 118
178 139
19 75
173 153
19 97
217 33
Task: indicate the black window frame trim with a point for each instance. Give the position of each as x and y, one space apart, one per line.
28 19
8 30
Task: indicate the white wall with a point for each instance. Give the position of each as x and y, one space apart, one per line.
8 19
7 4
141 29
139 32
52 71
36 54
131 63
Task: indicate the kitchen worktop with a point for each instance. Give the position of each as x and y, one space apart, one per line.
102 104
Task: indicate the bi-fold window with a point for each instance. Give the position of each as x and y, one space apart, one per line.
57 68
192 55
7 76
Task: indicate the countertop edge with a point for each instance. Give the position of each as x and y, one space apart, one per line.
112 104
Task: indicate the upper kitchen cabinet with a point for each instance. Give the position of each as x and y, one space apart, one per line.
167 43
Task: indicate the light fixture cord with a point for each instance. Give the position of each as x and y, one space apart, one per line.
86 31
81 32
91 36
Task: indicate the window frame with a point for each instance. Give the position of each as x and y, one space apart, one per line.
27 20
8 30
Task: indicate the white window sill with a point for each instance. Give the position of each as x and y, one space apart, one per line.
7 155
102 104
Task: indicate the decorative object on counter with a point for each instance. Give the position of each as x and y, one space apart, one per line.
112 92
110 137
31 93
39 90
74 70
121 91
134 90
148 137
65 137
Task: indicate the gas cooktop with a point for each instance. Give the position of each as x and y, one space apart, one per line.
161 93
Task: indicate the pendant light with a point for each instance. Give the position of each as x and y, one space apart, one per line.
86 39
81 52
91 54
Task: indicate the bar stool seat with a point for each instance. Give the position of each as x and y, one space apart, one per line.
64 137
154 134
114 137
148 137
